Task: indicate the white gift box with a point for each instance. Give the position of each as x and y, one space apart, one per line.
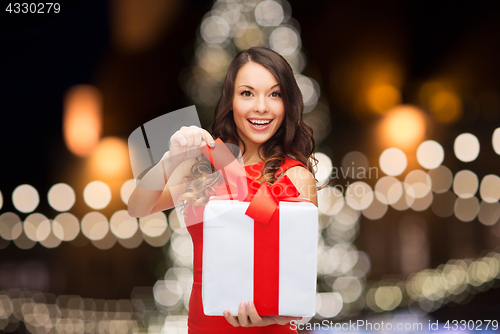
228 257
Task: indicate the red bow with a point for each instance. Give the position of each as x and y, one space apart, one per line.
264 199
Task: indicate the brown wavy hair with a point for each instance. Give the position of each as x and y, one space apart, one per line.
293 137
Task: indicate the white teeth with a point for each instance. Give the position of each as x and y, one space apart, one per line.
254 121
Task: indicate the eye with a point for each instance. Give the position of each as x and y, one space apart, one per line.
245 92
277 94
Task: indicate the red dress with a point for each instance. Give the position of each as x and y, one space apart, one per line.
198 322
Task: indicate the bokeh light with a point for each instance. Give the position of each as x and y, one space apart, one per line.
82 119
382 97
330 201
25 198
51 241
167 293
269 13
248 35
346 218
66 226
328 304
324 167
355 165
153 225
465 184
310 91
214 29
443 204
176 220
110 158
466 147
61 197
23 242
214 60
388 297
388 190
422 203
495 140
359 195
417 183
133 242
123 225
441 178
158 241
95 226
376 210
284 40
106 238
37 227
181 250
404 202
348 287
393 161
135 28
466 209
490 188
444 104
489 213
430 154
403 126
126 190
97 195
11 226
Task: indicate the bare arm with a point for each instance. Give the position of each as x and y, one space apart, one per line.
154 191
144 200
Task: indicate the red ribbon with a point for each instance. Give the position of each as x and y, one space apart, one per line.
264 210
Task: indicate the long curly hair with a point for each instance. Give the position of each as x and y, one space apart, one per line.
293 137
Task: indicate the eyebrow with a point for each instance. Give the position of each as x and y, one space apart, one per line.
253 88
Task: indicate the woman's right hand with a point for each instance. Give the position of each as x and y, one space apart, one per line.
185 144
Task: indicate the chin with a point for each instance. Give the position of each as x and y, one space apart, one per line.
259 139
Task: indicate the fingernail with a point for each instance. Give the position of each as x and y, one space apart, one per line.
212 143
242 304
226 314
249 304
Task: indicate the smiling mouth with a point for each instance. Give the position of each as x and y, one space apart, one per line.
259 123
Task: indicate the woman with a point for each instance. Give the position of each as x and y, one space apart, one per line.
260 111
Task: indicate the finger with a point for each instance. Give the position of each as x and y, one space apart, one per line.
179 139
190 137
242 315
253 314
232 320
197 139
208 138
283 320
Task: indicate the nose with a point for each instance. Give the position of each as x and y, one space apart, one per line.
261 105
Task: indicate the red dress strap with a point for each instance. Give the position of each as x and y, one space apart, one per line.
288 163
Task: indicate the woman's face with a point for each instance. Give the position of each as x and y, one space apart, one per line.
258 108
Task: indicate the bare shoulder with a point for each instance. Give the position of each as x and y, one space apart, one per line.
304 181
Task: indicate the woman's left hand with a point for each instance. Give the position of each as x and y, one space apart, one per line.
252 319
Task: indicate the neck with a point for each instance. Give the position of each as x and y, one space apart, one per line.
251 155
